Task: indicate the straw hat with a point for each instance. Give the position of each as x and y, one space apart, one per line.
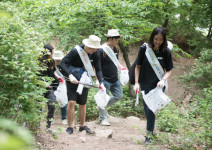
92 42
58 55
112 33
170 45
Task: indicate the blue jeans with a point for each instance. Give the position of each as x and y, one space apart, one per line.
116 90
64 112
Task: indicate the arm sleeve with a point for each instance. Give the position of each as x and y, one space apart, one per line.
67 61
141 54
168 60
97 66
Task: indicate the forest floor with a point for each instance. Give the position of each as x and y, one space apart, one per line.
123 134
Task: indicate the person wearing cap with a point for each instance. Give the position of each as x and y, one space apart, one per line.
73 58
146 77
46 60
58 56
110 65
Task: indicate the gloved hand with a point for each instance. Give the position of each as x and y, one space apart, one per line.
137 88
161 83
73 79
102 87
60 80
97 83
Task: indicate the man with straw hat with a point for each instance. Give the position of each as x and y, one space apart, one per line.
58 56
110 65
83 57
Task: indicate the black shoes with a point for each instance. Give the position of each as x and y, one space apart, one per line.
148 140
86 129
69 130
48 124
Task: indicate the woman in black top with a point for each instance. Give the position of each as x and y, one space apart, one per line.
145 76
48 64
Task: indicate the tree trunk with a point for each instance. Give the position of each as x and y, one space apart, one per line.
125 51
166 21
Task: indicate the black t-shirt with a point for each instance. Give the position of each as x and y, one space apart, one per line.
147 75
50 73
73 59
109 69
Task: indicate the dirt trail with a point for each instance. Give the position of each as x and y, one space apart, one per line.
127 133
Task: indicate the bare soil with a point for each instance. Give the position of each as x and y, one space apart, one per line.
127 133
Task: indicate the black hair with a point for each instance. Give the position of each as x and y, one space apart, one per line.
114 37
158 31
49 47
46 59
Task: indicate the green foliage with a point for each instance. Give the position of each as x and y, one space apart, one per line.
170 119
14 137
193 125
20 89
73 21
201 75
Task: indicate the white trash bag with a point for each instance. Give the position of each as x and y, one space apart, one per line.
156 99
61 94
124 77
101 99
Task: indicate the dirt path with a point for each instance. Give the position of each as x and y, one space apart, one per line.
127 133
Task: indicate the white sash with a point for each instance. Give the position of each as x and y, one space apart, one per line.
110 54
155 64
85 60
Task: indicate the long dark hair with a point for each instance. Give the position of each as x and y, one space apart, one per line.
46 60
157 31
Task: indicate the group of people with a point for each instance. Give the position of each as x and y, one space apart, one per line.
102 62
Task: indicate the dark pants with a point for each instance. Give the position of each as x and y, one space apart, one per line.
51 107
150 116
64 112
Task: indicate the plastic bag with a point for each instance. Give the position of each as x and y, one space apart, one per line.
61 94
101 99
156 99
124 77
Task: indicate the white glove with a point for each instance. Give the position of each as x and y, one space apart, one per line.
97 83
161 83
73 79
137 88
102 87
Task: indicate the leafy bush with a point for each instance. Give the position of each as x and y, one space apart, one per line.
201 75
170 119
20 89
194 124
14 137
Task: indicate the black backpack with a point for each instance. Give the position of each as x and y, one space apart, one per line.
132 73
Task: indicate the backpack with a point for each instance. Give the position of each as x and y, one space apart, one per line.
132 74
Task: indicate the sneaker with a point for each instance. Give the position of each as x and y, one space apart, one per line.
69 130
49 130
147 140
86 129
105 122
64 122
48 124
